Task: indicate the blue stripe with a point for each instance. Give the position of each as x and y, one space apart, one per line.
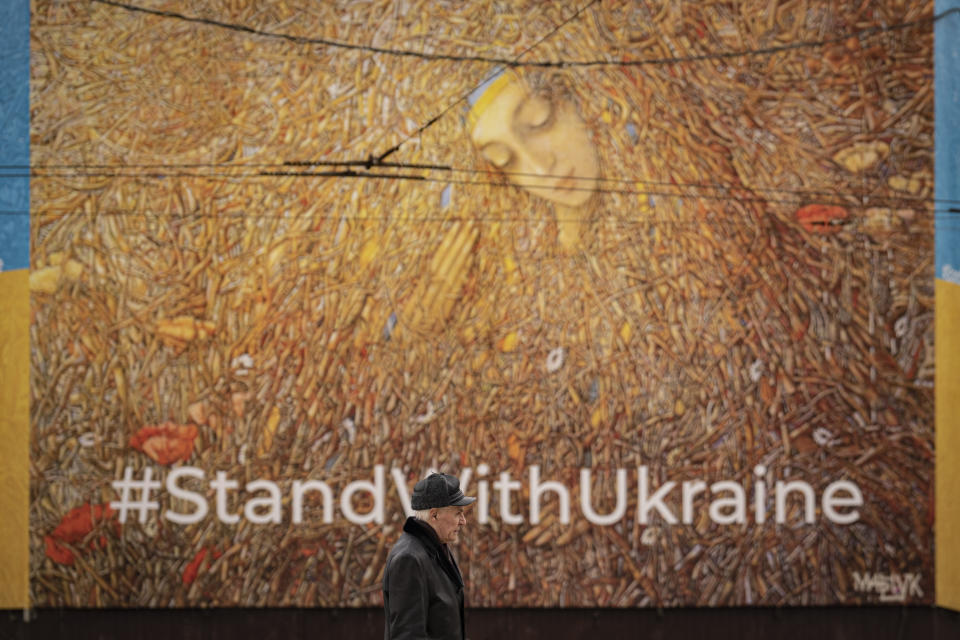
947 140
14 134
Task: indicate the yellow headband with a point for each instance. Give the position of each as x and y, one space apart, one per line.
486 93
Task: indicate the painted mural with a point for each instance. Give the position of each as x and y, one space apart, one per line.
654 279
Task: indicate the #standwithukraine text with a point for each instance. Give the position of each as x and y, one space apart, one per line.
727 502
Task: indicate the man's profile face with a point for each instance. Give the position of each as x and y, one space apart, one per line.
447 522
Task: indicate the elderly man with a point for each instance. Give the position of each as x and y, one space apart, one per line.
422 585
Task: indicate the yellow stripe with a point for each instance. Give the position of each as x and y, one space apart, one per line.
947 403
14 438
489 95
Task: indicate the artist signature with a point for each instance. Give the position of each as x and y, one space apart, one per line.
891 587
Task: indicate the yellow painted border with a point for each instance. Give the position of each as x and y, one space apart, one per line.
947 400
14 438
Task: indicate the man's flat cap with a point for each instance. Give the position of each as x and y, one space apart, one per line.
438 490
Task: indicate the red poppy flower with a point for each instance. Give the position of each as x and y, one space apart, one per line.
822 218
193 568
74 528
166 443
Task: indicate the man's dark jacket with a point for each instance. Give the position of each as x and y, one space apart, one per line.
422 588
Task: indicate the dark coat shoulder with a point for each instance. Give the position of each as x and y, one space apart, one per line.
422 588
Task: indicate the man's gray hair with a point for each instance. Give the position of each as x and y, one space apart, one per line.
422 514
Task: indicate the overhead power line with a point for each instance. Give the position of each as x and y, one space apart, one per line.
688 191
488 77
515 62
653 217
362 169
378 160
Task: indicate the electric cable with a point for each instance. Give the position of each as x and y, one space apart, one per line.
515 62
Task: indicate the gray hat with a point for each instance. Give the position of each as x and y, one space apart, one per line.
438 490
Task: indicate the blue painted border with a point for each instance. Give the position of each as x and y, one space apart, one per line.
14 134
946 68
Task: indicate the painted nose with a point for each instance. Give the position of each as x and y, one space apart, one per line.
538 161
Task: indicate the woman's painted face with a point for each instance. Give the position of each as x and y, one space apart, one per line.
541 144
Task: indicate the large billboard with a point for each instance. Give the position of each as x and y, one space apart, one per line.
654 279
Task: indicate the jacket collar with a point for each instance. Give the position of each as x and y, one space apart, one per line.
429 539
424 532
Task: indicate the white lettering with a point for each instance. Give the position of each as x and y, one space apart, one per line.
783 489
760 495
221 484
724 502
690 489
738 502
401 484
190 496
831 501
505 485
300 488
913 586
375 489
466 474
537 489
890 587
483 495
587 504
272 503
647 502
